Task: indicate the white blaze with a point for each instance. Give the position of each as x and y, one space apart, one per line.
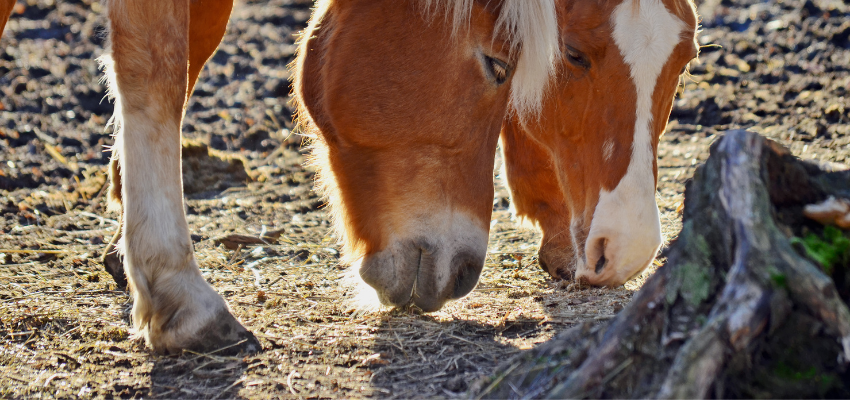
627 218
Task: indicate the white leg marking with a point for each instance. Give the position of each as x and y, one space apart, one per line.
163 275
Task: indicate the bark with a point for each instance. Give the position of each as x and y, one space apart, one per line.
737 311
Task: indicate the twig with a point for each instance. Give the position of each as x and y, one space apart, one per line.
497 381
45 251
54 376
13 377
212 355
98 217
240 380
289 382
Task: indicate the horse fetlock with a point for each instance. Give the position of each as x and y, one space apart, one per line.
114 199
184 312
174 307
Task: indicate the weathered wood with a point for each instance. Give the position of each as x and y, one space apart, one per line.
737 311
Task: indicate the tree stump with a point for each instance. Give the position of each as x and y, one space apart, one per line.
739 309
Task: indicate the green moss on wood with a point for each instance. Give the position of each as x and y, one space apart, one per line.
692 280
829 249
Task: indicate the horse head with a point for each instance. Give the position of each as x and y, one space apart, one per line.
586 171
407 99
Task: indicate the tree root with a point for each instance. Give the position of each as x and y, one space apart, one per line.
737 311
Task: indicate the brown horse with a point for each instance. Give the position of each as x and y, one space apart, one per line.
407 93
407 99
583 169
586 171
407 124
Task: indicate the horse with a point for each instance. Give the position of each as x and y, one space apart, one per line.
405 148
407 101
580 157
586 173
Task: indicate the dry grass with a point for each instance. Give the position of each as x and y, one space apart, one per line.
64 327
66 330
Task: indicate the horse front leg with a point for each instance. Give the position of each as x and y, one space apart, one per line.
207 25
146 65
111 262
536 197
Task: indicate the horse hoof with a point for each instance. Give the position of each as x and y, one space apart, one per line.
113 265
224 335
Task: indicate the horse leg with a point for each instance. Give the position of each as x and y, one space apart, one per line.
111 262
207 23
537 197
146 65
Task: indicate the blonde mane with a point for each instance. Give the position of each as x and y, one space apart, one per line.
532 28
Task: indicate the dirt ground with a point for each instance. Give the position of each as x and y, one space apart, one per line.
781 68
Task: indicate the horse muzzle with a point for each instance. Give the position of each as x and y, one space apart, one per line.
618 249
428 270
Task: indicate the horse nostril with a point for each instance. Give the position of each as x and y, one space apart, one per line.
600 264
602 261
468 270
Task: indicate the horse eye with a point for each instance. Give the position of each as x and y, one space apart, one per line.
577 58
497 69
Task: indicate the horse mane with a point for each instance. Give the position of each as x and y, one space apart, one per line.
532 28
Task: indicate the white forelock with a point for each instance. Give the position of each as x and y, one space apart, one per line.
532 28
